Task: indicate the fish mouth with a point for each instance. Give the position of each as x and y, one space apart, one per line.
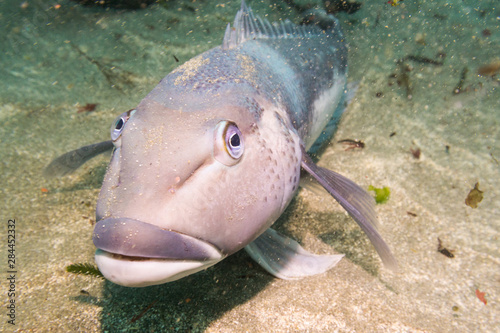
133 253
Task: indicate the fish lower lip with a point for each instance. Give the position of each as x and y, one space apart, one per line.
141 272
136 240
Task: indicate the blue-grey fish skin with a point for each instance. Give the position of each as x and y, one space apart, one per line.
171 167
292 72
301 70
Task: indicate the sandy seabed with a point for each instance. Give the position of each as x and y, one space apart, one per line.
57 59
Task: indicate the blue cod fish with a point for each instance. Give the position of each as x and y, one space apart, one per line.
210 159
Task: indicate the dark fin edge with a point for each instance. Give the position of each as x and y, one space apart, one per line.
69 162
356 201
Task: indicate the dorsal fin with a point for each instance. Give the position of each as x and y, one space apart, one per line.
248 26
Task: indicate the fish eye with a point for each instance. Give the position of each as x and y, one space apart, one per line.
119 124
228 143
234 145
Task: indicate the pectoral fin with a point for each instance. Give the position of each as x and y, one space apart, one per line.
286 259
356 201
69 162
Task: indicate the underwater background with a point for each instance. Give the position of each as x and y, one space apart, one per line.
427 109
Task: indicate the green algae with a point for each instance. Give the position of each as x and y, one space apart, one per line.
381 194
85 269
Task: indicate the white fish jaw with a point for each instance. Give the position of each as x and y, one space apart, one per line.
133 253
128 272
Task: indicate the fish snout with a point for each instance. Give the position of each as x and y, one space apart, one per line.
141 240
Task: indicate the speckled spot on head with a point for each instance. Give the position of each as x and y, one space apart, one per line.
248 68
255 130
154 137
254 108
280 119
189 69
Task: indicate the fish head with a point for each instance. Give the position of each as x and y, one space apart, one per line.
190 183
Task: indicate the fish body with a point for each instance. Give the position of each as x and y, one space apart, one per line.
212 156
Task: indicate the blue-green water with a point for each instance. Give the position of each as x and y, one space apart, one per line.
57 57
